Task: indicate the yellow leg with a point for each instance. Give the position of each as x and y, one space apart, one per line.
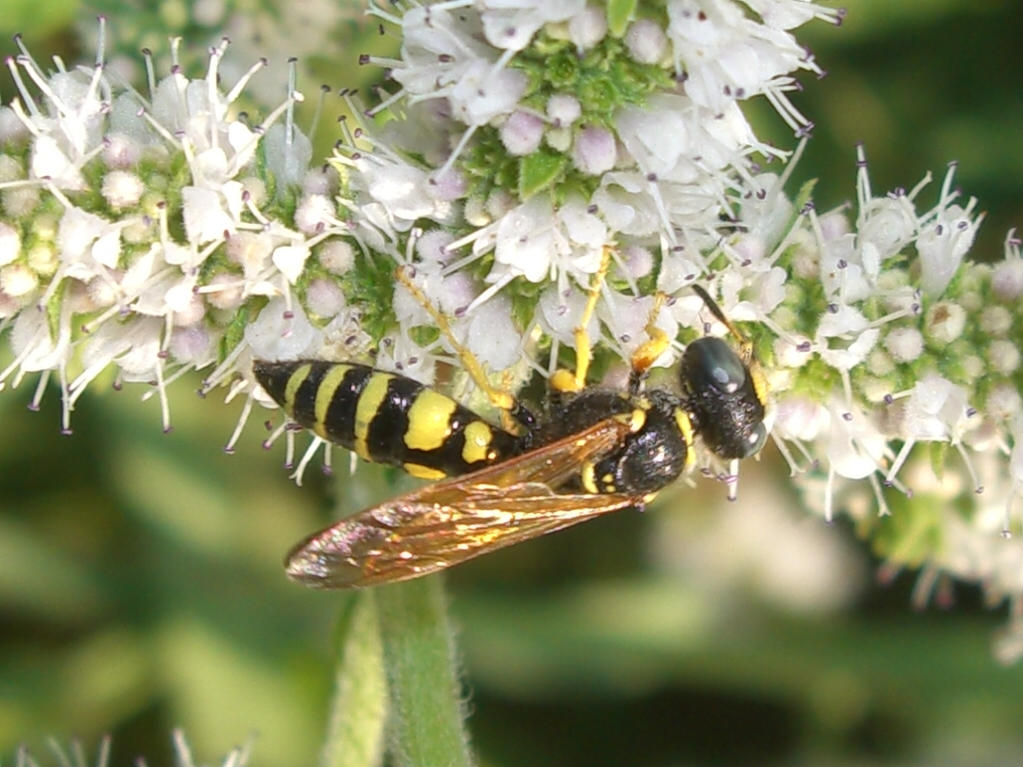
511 411
657 341
562 380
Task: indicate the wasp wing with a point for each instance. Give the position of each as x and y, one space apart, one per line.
446 523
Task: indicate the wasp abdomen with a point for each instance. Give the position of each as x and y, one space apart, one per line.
385 417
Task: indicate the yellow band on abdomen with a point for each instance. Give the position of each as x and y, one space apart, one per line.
325 395
429 421
366 409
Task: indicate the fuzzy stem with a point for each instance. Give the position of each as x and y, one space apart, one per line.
355 728
427 715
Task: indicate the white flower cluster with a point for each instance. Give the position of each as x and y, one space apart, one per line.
147 233
921 347
533 139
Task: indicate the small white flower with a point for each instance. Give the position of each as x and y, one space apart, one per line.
945 321
904 344
288 153
281 333
511 24
728 55
521 133
995 320
646 41
588 27
942 247
324 298
525 239
1004 357
936 409
315 213
491 334
947 232
563 109
1004 402
536 241
122 189
1007 278
403 192
17 280
337 256
10 243
290 260
594 151
207 214
560 315
855 446
851 334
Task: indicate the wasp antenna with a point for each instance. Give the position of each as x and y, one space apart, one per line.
719 315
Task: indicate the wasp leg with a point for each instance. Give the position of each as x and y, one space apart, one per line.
648 351
514 415
563 380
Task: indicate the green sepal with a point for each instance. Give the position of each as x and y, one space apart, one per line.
525 296
424 335
562 70
539 170
804 195
369 285
938 454
619 14
53 309
235 332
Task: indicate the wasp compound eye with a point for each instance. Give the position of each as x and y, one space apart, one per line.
719 392
710 362
755 440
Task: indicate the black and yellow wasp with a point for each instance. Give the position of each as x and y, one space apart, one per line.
592 452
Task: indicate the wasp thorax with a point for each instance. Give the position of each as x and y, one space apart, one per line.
720 395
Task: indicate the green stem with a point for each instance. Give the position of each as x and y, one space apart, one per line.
427 716
355 729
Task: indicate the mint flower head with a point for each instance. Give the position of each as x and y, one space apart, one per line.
527 161
147 233
532 138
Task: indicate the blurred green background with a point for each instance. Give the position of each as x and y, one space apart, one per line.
140 579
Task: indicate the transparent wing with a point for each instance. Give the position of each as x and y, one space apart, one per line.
443 524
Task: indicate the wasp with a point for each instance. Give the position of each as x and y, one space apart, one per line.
592 451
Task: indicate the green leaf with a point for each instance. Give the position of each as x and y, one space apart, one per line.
619 14
539 170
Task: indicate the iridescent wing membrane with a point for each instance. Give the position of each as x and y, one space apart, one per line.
448 522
